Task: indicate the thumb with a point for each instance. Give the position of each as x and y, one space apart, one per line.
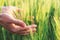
19 22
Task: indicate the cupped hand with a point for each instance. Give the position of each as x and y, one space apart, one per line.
9 22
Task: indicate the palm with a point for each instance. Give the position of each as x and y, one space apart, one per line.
12 24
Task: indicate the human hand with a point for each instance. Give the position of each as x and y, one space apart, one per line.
12 24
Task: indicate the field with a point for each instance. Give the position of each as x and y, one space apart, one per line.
44 13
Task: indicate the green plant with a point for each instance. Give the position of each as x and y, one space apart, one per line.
44 13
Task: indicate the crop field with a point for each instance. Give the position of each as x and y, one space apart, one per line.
44 13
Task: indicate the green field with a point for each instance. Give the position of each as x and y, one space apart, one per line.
44 13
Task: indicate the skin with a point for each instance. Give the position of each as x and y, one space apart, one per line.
13 25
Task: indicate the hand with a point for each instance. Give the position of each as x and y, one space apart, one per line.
12 24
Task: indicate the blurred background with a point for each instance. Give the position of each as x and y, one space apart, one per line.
44 13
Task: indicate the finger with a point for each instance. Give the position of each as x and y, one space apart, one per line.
17 28
24 29
32 26
28 31
19 22
4 9
10 8
15 9
34 30
24 32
